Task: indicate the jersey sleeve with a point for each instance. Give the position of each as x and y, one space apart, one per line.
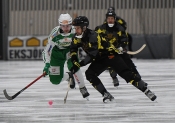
122 37
91 47
50 45
74 45
96 28
92 50
122 22
93 44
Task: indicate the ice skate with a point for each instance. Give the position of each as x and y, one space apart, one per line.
107 97
71 80
115 82
84 92
150 94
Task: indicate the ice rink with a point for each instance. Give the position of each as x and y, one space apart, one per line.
130 105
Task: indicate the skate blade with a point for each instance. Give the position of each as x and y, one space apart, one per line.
87 98
106 101
109 101
116 87
112 100
155 101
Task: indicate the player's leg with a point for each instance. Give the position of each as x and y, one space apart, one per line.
56 66
78 77
130 64
123 70
92 73
113 75
80 80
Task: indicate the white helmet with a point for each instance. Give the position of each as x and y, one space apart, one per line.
65 19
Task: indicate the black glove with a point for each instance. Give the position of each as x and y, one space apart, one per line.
75 67
74 57
76 64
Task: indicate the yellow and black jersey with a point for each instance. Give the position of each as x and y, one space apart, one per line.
89 43
122 22
113 36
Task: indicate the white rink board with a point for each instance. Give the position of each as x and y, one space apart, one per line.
130 106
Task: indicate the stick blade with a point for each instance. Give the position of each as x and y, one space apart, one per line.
136 52
6 95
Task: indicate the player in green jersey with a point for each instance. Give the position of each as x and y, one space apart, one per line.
57 53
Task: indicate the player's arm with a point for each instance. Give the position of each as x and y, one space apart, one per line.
48 50
96 28
50 45
122 40
74 45
92 49
122 22
73 53
122 37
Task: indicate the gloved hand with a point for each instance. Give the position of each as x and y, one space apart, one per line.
120 50
75 61
74 57
75 67
46 68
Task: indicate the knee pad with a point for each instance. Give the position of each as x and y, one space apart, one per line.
138 75
55 75
55 80
128 76
141 85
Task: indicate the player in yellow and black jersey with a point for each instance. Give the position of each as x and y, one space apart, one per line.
126 57
103 52
123 23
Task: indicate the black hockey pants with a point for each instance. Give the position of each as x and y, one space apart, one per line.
128 61
118 64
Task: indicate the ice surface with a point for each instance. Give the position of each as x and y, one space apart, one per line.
130 105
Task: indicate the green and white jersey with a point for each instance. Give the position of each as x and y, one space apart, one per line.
60 40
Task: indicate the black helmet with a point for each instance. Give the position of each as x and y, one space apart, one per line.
111 13
111 9
81 21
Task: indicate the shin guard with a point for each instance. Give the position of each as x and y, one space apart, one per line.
141 85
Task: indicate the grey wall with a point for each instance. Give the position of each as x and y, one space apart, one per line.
158 46
1 30
38 17
4 28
